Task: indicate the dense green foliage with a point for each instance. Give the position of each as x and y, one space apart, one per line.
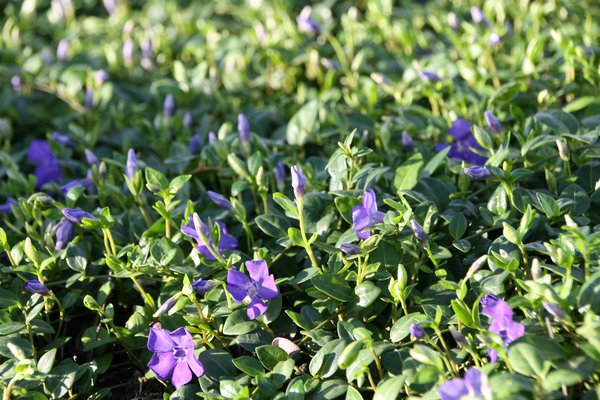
358 95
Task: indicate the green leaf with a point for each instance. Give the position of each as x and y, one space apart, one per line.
325 362
334 286
458 225
548 205
526 360
303 124
239 167
558 120
367 292
407 175
248 365
389 388
156 178
285 203
574 200
270 355
463 313
426 355
177 183
60 380
589 294
436 161
7 299
273 225
46 361
11 327
237 323
218 363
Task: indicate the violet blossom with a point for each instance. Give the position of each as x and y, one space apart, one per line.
47 166
349 248
298 181
63 232
429 76
5 208
492 122
417 331
418 231
169 106
464 140
260 287
132 164
407 141
477 172
91 157
226 241
279 173
366 215
243 128
306 23
220 200
62 138
470 385
174 357
194 145
202 286
36 287
502 322
75 215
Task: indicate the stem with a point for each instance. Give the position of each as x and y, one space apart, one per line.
313 260
9 387
10 258
61 314
430 255
167 222
147 298
377 362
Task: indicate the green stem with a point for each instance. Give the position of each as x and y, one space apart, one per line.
61 314
313 260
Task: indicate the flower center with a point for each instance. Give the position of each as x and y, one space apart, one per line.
179 353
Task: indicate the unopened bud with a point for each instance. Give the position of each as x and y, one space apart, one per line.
418 231
563 149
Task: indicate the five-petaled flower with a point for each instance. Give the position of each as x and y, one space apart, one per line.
464 141
259 287
502 322
366 215
226 241
471 385
174 356
47 166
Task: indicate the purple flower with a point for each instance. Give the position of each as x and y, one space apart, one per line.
47 166
502 323
110 6
16 82
169 106
477 172
349 249
89 98
495 39
226 241
202 286
174 356
429 76
492 122
470 385
101 76
63 232
298 181
132 164
259 288
554 310
330 64
5 208
220 200
464 140
478 16
459 338
418 231
75 215
128 50
417 331
146 49
279 173
62 138
212 137
306 23
36 287
166 306
452 20
407 141
243 128
365 216
194 145
91 157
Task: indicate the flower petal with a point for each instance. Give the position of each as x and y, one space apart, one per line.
360 219
256 308
237 284
202 249
162 364
182 338
364 235
268 289
258 270
369 201
181 374
194 364
454 389
159 340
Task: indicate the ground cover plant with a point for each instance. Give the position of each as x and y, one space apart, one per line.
269 200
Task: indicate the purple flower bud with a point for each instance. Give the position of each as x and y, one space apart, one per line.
64 233
459 338
279 173
298 181
62 50
407 141
47 57
554 310
349 248
202 286
495 39
452 20
220 200
477 15
306 23
418 231
212 137
16 83
147 51
101 76
187 120
128 49
166 306
330 64
243 128
89 98
132 164
91 157
477 172
492 122
36 287
169 106
62 138
429 76
5 208
110 6
194 145
76 214
417 331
